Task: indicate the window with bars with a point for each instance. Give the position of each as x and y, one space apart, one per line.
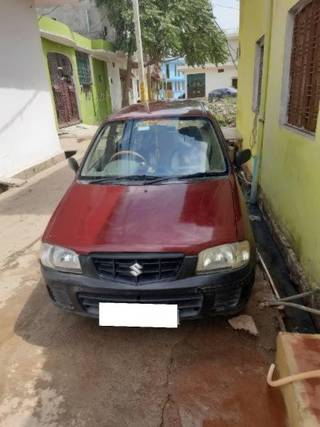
304 87
84 70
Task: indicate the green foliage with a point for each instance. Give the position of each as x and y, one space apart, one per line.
169 28
200 40
224 110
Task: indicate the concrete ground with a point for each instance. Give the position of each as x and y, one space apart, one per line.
57 369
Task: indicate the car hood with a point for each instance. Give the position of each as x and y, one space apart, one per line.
172 217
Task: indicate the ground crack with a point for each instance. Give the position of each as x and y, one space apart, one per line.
169 398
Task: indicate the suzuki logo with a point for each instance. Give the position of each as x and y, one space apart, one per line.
136 269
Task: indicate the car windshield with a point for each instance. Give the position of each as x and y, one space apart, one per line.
167 148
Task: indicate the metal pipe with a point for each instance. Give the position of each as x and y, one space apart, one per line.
263 103
142 80
273 286
292 305
302 295
285 302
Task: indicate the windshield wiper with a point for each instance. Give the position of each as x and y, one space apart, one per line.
105 179
155 179
111 179
151 179
199 175
181 177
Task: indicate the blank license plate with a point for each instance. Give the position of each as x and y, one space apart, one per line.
138 315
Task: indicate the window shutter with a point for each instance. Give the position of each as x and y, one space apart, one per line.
304 95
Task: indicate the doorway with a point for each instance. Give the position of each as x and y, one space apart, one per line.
196 85
63 88
101 98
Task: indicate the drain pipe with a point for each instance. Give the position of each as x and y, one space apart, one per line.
265 269
281 303
263 103
280 308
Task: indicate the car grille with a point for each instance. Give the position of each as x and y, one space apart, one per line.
138 269
189 305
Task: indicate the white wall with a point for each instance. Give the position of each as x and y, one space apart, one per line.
115 83
215 80
28 133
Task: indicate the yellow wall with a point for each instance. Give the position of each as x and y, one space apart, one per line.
290 172
253 25
290 169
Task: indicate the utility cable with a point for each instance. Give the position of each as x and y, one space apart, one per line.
228 46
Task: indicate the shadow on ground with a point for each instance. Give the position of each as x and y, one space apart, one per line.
202 374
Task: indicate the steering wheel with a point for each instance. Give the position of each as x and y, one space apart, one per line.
128 153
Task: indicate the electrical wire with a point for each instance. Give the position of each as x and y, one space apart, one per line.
228 46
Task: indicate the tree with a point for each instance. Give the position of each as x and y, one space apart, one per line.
169 28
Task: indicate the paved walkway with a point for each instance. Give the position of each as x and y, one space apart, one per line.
25 211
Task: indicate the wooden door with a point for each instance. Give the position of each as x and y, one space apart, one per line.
63 88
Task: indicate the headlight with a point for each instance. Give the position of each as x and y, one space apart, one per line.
59 258
233 255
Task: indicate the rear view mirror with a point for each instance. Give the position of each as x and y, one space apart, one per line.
74 165
242 157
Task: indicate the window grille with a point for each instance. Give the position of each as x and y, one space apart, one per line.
304 90
84 70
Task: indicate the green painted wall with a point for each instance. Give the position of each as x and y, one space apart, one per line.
94 103
290 172
53 27
101 91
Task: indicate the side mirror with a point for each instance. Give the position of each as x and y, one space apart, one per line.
242 157
74 165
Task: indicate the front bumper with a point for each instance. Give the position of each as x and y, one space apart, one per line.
197 296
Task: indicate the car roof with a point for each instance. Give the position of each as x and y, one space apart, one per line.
158 109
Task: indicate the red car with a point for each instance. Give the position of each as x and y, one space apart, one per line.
155 215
